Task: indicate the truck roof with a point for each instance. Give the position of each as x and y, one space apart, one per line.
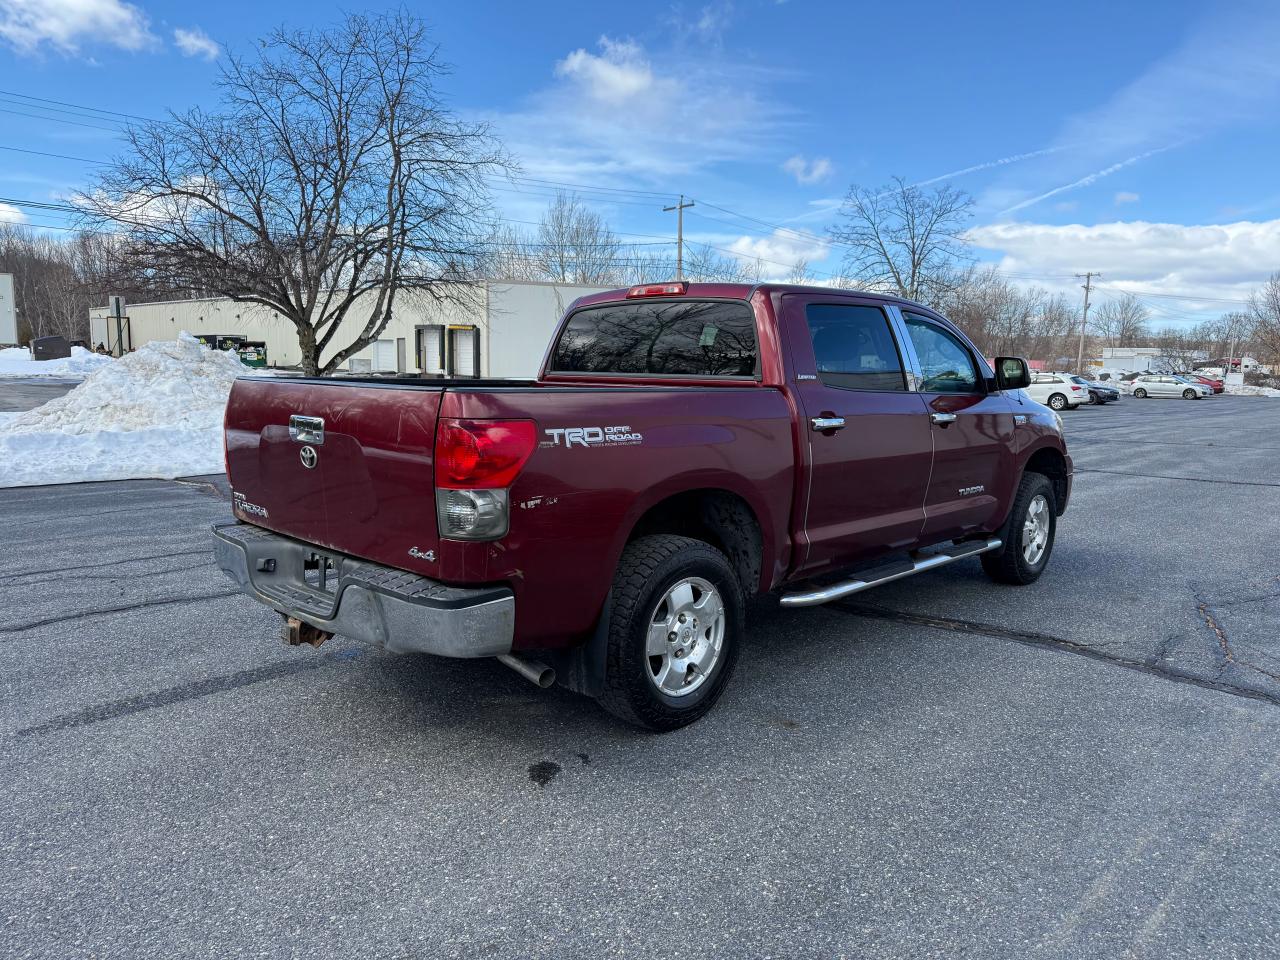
743 291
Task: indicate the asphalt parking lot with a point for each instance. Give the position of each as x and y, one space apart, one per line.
1086 767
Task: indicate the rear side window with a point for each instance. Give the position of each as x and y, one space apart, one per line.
704 338
854 348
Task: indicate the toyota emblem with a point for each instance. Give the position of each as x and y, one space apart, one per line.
309 457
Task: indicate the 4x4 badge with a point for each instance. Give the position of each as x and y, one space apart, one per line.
309 457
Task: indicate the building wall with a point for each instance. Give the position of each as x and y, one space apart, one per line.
514 320
520 321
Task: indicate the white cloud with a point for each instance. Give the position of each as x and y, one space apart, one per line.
196 43
778 251
1227 260
11 214
624 115
31 25
712 21
1124 196
615 75
808 171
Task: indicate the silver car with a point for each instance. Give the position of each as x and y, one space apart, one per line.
1167 385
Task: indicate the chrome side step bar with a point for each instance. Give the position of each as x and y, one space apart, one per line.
890 571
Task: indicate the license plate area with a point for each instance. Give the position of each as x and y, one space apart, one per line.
320 572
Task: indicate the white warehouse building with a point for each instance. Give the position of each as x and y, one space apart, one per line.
492 329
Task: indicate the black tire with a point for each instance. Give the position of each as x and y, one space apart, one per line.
1009 564
1140 394
1188 394
649 568
1057 402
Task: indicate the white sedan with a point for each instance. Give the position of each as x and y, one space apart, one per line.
1167 385
1057 391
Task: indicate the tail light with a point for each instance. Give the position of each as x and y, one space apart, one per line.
475 462
658 290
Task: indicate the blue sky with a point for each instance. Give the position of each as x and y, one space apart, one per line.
1138 139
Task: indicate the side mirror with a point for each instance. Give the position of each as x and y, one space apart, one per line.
1012 373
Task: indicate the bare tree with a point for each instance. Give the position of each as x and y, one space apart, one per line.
575 245
331 184
903 239
1122 322
1264 322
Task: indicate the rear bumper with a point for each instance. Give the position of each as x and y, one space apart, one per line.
380 605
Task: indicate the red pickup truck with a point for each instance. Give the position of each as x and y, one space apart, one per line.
685 447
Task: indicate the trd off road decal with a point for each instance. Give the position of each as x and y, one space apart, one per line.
591 436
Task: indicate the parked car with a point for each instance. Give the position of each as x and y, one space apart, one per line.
685 446
1057 391
1217 386
1168 385
1099 393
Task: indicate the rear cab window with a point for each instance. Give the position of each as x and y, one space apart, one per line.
665 338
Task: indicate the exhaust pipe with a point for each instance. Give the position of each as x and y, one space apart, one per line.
531 670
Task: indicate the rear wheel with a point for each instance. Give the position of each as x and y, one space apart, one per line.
1188 394
675 630
1057 402
1028 534
1140 394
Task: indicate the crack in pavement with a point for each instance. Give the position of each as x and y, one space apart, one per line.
105 563
194 690
1162 476
109 577
1092 651
104 611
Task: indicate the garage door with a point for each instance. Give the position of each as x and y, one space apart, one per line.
431 349
464 352
384 356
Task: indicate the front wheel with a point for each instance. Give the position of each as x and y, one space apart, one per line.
1028 534
675 630
1140 394
1057 402
1188 394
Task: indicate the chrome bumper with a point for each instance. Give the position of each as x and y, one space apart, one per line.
380 605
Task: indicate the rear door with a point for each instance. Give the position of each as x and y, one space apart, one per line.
340 464
868 437
972 429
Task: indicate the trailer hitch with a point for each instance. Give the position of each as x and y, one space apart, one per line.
295 632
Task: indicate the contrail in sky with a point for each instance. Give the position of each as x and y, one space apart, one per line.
1003 161
1085 181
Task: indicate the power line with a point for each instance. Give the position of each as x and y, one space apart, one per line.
65 103
59 156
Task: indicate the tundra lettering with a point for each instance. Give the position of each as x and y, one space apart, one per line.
745 439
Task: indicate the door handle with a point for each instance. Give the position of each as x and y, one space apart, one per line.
306 429
822 424
943 418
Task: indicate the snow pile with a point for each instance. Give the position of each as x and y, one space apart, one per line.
17 362
1244 390
156 412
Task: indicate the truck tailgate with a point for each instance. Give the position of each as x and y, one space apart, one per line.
364 488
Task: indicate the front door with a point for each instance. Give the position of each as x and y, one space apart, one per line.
972 424
867 437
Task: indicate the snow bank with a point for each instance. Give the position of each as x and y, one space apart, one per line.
1244 390
17 362
153 413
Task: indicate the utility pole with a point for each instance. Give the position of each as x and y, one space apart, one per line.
679 208
1084 319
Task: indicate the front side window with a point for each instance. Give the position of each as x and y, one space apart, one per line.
705 338
853 347
945 363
